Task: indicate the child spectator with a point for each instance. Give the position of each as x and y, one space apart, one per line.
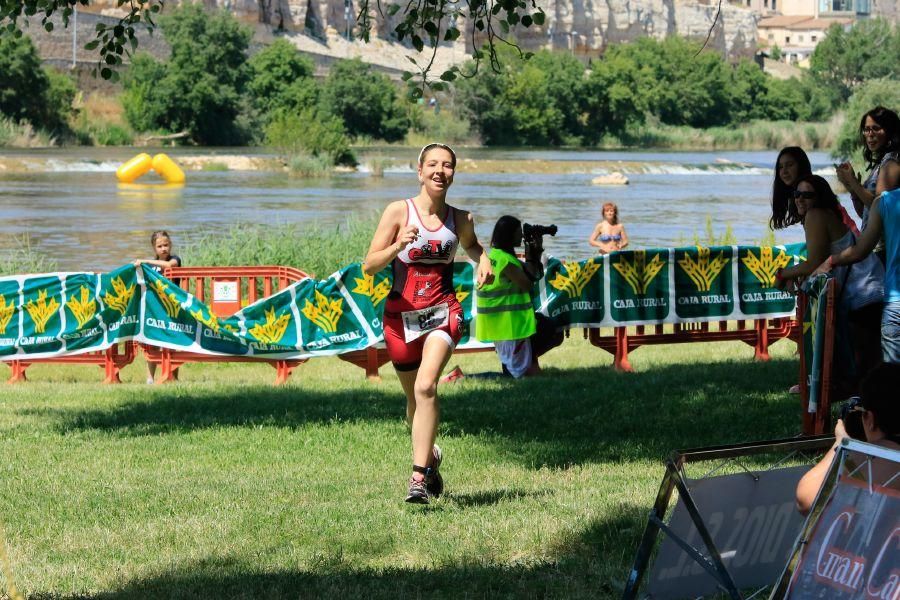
162 249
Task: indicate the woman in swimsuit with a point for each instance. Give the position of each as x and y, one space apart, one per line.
609 235
423 321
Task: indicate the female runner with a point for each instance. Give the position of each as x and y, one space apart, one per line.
423 321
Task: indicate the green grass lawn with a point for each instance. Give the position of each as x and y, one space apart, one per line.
221 486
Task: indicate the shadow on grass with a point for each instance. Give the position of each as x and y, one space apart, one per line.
582 568
561 418
493 497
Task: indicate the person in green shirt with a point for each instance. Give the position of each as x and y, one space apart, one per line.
505 315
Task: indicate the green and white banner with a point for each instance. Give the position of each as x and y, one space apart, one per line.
68 313
668 285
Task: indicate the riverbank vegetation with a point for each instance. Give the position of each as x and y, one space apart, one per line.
317 249
661 93
18 256
220 485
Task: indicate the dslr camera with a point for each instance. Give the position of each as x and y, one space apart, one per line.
533 239
851 415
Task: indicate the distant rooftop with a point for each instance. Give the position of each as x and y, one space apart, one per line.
801 22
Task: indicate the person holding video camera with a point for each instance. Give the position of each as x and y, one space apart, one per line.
874 417
505 314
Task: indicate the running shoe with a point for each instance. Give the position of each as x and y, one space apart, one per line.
418 492
435 483
453 375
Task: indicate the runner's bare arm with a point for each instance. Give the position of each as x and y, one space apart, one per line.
391 237
469 241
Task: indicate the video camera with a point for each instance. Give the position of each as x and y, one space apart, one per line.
533 239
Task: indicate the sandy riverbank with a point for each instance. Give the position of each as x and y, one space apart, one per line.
237 162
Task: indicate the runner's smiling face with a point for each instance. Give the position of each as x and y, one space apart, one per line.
436 170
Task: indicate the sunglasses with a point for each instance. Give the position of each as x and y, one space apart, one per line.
805 195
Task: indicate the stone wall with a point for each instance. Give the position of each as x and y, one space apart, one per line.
584 27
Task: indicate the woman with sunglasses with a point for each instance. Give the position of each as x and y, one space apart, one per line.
791 166
861 295
879 132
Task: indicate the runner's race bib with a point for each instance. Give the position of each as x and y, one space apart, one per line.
417 323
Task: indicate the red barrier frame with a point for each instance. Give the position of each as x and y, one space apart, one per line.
761 334
253 283
819 422
112 361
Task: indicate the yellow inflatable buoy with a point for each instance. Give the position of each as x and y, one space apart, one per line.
134 168
140 164
167 169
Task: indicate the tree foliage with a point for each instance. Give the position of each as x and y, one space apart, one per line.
878 92
846 58
538 102
309 132
421 23
281 79
30 92
364 100
113 42
199 89
551 99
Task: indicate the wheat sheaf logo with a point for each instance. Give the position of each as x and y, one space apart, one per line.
82 305
41 311
367 287
274 328
212 322
703 271
576 277
766 264
120 297
637 272
7 310
169 302
324 313
461 294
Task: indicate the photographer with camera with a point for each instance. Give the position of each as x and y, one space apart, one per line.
505 314
874 418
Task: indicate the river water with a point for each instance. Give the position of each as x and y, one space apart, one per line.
72 208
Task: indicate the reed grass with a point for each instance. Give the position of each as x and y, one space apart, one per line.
307 165
18 256
23 135
444 126
312 247
214 166
758 135
221 486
